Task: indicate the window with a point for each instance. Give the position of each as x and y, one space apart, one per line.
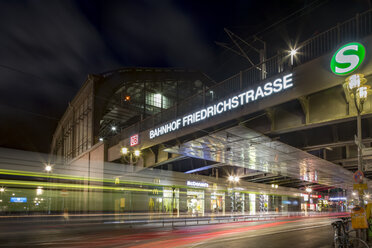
156 100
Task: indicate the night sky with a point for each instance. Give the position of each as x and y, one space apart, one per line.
47 48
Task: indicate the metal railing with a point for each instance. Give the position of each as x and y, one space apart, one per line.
322 43
159 220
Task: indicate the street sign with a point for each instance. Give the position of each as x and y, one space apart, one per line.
368 166
360 186
359 218
367 151
358 176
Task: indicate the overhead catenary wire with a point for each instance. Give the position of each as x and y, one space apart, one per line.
310 7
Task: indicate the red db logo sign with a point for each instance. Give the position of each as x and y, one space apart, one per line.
134 140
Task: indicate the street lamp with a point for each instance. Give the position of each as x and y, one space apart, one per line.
130 156
124 151
48 169
293 53
234 179
358 92
137 153
308 190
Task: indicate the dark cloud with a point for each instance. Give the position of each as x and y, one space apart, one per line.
153 32
46 51
47 48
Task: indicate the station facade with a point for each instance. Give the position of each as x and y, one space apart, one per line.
109 102
288 121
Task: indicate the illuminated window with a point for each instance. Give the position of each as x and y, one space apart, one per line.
156 100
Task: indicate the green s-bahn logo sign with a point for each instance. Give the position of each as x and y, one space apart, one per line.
348 58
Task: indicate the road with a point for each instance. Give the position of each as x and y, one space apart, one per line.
291 232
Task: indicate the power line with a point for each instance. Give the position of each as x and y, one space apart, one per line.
313 5
30 112
307 7
23 72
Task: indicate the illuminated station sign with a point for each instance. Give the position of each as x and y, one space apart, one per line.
348 58
277 85
18 199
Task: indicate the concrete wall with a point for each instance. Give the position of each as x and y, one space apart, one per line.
91 164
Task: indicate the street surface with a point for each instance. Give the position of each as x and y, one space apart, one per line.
290 232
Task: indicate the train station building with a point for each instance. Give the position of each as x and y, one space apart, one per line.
287 124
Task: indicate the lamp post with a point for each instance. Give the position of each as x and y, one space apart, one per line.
48 169
292 54
358 92
130 156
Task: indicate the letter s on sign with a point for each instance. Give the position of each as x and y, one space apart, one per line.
347 58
